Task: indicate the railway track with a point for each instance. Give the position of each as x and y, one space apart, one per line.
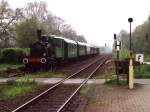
72 68
58 97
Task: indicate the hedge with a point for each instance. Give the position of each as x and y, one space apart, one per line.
0 53
13 55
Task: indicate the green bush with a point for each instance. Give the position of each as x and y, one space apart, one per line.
142 71
147 57
123 54
0 53
13 55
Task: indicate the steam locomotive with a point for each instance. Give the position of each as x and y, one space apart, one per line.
48 51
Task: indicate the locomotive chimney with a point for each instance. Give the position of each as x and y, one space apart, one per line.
39 32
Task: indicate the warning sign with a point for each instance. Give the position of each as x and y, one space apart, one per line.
140 58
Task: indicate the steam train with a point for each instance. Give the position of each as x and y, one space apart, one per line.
48 51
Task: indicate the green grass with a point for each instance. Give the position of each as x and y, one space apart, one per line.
142 71
147 58
14 89
113 81
6 66
24 84
47 74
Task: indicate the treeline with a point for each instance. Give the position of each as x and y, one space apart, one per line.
18 27
140 38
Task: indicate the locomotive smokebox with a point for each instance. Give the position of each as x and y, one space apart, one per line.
39 33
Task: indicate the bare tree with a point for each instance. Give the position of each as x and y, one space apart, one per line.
58 25
36 9
68 31
81 38
124 37
53 24
8 17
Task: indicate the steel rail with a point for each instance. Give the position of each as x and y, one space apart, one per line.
58 83
77 90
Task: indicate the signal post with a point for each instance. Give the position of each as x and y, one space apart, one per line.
131 76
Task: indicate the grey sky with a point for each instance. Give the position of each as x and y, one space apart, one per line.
97 20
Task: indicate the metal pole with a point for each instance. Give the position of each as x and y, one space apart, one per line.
131 77
130 36
130 20
130 42
117 67
117 60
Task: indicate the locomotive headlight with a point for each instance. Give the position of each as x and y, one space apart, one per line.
44 54
25 60
43 60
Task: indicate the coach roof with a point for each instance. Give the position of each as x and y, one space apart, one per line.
66 40
81 43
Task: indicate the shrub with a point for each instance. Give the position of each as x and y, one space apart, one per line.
142 71
147 57
0 54
123 54
13 55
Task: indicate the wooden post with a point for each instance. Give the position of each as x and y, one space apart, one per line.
131 77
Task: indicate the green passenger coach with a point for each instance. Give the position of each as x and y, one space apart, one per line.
81 49
64 48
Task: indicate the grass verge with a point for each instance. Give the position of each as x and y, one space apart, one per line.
113 81
15 88
142 71
147 57
6 66
47 74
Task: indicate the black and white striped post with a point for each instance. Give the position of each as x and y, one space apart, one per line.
117 48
